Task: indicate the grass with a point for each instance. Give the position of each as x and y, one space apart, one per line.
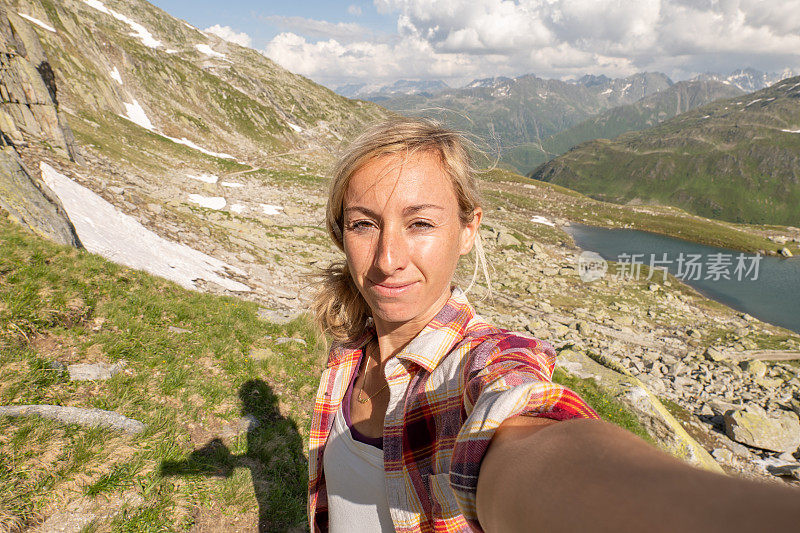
608 408
190 389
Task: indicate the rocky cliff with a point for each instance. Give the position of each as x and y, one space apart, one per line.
29 114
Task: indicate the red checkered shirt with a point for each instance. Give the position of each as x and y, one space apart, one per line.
450 388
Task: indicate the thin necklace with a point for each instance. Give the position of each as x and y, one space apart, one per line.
366 367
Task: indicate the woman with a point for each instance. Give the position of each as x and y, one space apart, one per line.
428 418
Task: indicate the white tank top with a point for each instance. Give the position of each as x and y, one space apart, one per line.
356 483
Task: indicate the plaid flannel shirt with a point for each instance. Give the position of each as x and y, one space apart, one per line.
450 388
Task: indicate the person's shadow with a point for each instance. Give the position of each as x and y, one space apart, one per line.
274 456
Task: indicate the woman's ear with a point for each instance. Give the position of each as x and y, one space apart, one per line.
470 231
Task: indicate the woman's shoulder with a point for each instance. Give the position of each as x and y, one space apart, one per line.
488 342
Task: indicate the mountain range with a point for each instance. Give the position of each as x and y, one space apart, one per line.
736 159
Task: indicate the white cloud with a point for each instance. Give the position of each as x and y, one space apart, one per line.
354 10
321 29
460 39
229 34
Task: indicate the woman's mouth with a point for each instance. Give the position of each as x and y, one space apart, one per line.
392 288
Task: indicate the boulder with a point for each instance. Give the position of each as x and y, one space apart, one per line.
785 252
507 239
716 354
755 367
94 372
753 427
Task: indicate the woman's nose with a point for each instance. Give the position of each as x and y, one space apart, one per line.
391 253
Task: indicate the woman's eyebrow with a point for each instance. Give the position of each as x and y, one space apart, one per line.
422 207
410 210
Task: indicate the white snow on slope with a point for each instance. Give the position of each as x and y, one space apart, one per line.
136 114
121 238
38 22
115 75
211 202
791 131
542 220
753 102
271 209
186 142
231 184
295 127
238 208
171 51
139 31
207 178
207 50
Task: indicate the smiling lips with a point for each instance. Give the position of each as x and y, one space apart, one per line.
392 289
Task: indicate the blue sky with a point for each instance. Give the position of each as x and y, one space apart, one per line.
381 41
253 17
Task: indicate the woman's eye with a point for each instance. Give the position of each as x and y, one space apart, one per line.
357 225
421 224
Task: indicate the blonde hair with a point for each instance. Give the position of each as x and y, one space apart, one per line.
338 307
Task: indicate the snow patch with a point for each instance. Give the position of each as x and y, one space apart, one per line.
231 184
207 178
115 75
271 209
607 91
211 202
792 131
295 127
207 50
38 22
186 142
139 31
136 114
121 238
238 208
171 51
542 220
753 102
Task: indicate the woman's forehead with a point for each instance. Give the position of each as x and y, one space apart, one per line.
401 179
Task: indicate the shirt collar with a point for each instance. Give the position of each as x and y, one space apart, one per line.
431 344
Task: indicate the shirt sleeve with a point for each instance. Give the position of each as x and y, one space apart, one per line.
506 377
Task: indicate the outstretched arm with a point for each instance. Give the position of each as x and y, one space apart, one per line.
589 475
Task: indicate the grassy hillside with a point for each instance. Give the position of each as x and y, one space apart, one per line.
647 112
193 85
735 160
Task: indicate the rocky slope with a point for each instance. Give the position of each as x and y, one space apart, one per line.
645 113
735 159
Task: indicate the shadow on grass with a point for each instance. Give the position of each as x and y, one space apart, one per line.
274 456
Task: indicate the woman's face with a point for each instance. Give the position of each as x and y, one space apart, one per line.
403 237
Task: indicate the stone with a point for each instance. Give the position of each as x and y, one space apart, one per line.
176 329
723 455
260 354
284 340
716 354
77 415
94 372
778 433
790 470
755 367
506 239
